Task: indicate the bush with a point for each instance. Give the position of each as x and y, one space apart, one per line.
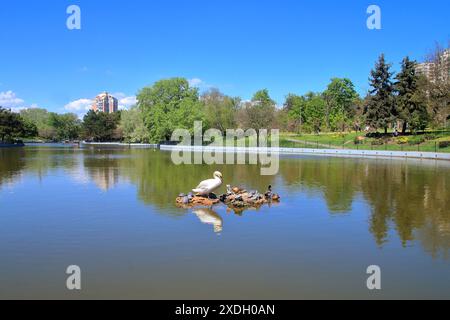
377 142
417 140
430 136
373 135
402 140
444 144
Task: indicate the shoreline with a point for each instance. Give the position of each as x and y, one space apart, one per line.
11 145
281 151
119 144
323 152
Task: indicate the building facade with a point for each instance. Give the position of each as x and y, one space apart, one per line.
105 102
425 69
433 70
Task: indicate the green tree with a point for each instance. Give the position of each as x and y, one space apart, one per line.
380 108
340 96
29 129
358 114
167 105
66 126
315 107
133 127
220 110
41 119
12 125
295 108
53 126
283 122
260 112
100 126
306 112
411 108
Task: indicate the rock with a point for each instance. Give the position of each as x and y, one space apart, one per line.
239 204
193 201
236 199
239 198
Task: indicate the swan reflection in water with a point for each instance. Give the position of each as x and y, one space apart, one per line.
209 216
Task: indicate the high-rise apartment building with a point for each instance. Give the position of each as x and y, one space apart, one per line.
105 102
431 70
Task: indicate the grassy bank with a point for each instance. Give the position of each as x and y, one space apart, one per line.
425 142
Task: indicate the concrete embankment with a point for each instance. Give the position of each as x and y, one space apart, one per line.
306 151
282 151
11 145
119 145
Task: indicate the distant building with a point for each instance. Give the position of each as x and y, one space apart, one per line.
105 102
425 69
428 69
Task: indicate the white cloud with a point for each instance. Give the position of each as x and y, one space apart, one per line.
18 109
199 83
125 102
9 99
79 107
195 82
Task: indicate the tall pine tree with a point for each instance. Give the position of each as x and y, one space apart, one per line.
380 110
411 108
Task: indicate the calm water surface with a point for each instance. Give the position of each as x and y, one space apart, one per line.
112 212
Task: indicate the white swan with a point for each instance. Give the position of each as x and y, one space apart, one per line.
208 186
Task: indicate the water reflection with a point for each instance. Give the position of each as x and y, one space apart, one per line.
210 217
408 197
11 165
103 170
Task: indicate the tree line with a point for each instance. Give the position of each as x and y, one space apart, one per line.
406 101
13 126
38 123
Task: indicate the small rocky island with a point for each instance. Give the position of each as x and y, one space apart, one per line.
235 198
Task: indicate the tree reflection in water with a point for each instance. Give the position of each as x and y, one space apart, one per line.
412 197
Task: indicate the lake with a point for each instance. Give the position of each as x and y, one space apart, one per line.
112 212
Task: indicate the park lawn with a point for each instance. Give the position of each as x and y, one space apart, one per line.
347 141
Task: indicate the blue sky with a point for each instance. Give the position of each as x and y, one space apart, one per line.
238 46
